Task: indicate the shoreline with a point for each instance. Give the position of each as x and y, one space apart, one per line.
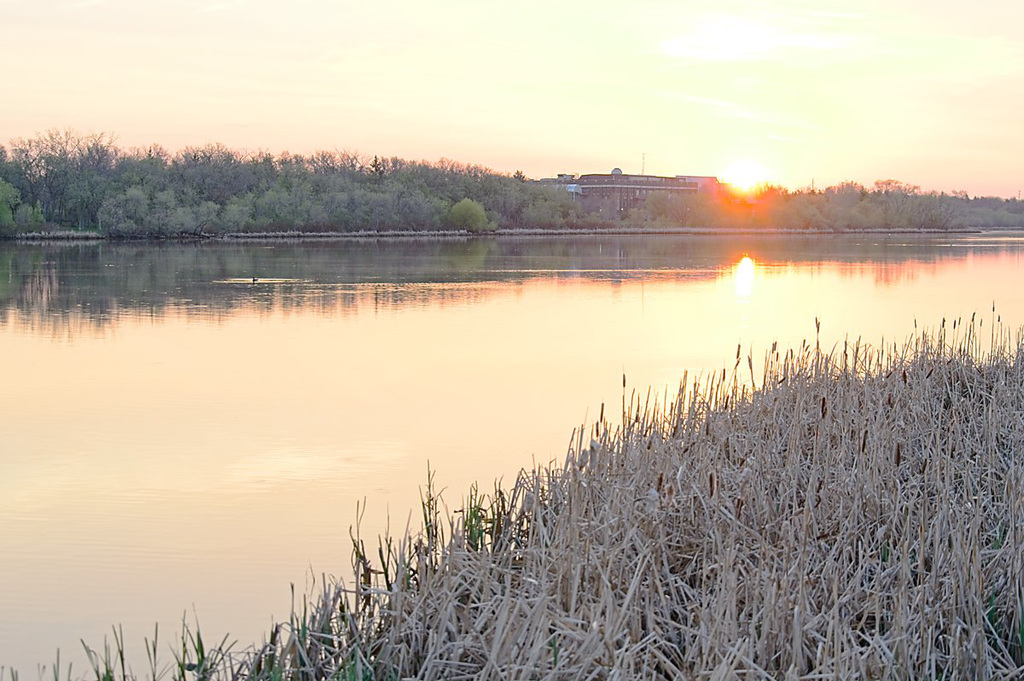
796 529
440 235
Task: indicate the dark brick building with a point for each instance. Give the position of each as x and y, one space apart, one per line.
618 192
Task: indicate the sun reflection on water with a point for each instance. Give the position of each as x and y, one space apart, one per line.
743 276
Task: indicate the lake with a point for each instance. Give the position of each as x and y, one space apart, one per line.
179 439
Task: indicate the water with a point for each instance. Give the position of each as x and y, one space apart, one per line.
177 438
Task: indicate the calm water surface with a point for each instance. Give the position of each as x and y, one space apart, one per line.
176 438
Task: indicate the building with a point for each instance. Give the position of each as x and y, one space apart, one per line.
618 192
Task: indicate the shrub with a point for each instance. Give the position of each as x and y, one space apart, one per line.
469 215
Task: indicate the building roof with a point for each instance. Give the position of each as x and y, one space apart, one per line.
637 181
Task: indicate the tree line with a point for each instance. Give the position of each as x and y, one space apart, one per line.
849 206
62 179
66 180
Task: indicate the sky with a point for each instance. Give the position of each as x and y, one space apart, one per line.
803 91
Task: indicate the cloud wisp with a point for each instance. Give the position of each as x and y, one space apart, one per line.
740 111
730 38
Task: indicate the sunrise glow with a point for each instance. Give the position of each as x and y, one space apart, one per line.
745 175
698 86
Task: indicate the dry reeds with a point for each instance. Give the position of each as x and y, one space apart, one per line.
860 514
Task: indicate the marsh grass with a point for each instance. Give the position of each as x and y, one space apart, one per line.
857 514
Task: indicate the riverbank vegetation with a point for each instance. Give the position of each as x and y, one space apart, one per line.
64 180
857 514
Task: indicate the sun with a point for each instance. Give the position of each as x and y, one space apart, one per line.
745 175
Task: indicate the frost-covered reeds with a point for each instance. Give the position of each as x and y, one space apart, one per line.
857 514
